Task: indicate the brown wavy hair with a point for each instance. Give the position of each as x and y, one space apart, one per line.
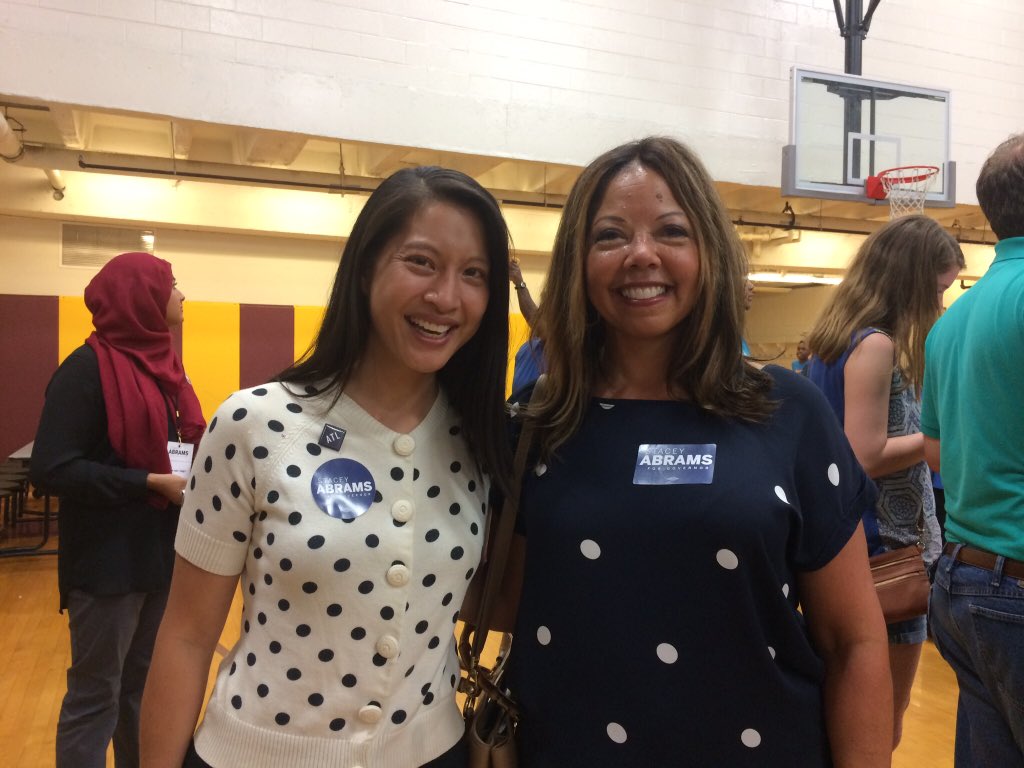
890 285
707 365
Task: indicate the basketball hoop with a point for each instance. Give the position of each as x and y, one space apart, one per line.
906 188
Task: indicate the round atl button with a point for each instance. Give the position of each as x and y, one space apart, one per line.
370 714
402 510
387 646
398 576
404 445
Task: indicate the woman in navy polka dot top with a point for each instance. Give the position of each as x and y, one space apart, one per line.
348 497
695 589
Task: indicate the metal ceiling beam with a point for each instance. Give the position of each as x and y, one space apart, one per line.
69 124
13 151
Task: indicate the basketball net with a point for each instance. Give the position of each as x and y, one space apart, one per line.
907 188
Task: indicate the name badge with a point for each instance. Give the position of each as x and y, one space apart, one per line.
680 464
180 455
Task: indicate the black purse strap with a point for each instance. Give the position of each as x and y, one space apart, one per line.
473 638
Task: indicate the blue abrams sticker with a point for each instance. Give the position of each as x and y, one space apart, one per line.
343 488
682 464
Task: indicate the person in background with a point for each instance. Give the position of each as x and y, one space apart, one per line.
687 518
116 411
529 362
349 497
748 302
868 359
527 306
802 354
972 420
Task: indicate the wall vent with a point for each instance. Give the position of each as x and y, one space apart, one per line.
83 245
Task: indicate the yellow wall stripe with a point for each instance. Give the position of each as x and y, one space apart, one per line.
210 342
210 348
307 323
74 325
518 333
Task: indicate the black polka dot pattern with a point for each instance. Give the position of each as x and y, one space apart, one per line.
331 605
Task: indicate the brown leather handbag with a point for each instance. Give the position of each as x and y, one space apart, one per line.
901 582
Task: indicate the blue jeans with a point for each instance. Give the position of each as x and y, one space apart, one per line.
977 619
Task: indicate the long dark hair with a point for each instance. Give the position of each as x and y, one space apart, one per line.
707 363
474 378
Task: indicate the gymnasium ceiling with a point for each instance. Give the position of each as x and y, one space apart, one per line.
67 138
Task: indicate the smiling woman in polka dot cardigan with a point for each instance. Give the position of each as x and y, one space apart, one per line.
695 589
349 498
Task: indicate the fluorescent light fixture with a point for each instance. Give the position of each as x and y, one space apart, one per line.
794 277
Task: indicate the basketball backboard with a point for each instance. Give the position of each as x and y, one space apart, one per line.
844 128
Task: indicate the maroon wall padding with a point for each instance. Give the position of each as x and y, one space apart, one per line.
28 358
266 342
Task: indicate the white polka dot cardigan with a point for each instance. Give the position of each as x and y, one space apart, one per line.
355 546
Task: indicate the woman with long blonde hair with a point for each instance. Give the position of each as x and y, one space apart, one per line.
868 359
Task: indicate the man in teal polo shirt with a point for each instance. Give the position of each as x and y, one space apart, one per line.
973 415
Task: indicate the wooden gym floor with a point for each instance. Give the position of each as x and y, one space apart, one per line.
34 654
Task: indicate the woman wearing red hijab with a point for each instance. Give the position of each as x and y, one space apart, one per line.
116 411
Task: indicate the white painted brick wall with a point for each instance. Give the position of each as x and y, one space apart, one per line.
556 80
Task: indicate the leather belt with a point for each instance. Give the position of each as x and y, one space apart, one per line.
983 559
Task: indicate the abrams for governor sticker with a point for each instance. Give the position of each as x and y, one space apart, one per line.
684 464
343 488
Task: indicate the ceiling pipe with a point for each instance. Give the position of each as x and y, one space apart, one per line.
197 170
12 150
56 182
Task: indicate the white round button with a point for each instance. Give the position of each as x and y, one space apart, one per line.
370 714
402 510
387 646
398 576
404 445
